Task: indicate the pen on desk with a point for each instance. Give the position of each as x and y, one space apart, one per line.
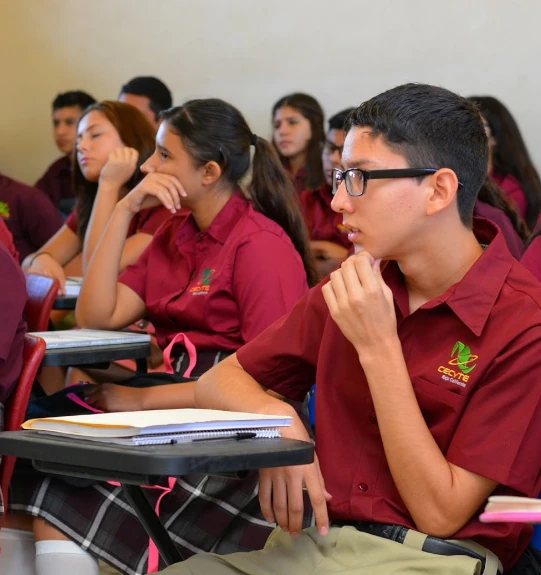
236 436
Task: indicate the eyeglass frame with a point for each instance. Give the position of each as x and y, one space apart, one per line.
380 175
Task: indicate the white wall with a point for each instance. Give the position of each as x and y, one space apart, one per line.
251 52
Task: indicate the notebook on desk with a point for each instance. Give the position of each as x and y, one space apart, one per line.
504 508
88 337
162 426
73 286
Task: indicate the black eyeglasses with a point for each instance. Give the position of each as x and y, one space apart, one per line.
356 179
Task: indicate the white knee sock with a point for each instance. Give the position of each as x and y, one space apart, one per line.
59 557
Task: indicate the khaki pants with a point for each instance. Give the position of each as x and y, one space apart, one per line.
345 550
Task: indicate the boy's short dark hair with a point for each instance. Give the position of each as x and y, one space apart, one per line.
432 128
74 98
155 90
337 121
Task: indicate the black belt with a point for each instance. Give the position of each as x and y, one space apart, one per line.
398 533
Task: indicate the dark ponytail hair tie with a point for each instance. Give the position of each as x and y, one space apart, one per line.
254 140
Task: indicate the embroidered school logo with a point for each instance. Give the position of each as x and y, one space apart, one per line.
202 287
4 211
462 358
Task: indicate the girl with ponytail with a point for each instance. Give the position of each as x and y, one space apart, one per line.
209 282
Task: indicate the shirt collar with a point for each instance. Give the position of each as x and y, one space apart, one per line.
325 193
473 297
223 223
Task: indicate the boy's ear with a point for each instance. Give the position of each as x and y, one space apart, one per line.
444 187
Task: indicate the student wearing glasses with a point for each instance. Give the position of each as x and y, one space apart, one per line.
328 238
426 352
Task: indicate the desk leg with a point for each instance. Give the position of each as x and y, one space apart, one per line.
152 524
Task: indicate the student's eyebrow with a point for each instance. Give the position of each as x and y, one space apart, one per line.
79 134
362 164
164 149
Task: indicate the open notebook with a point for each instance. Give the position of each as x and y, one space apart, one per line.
86 337
162 426
502 508
73 286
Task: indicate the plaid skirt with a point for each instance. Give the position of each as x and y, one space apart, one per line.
201 514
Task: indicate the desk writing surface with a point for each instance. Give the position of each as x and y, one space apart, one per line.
74 338
156 460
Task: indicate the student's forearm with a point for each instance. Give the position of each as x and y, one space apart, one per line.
228 387
97 302
173 396
423 476
104 205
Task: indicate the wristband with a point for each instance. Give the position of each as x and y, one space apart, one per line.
37 256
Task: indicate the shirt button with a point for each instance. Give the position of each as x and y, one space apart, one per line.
199 237
373 419
363 486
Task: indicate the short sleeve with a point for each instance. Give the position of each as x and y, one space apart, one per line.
135 276
72 222
284 357
531 259
267 268
498 434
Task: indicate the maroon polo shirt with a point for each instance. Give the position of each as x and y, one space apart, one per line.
499 217
323 223
56 182
12 301
481 405
220 287
145 222
29 214
531 259
512 191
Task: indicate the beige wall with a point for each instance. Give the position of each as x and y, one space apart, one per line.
251 52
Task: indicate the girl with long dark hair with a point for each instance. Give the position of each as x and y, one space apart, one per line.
298 135
510 164
212 281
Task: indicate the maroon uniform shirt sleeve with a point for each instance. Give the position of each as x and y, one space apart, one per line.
531 259
498 434
135 276
284 356
267 268
72 222
12 301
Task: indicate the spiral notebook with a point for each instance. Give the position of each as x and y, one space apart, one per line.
162 426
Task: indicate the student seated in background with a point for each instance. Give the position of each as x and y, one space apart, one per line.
149 95
29 215
113 139
427 366
219 277
492 205
511 167
328 238
298 135
57 181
